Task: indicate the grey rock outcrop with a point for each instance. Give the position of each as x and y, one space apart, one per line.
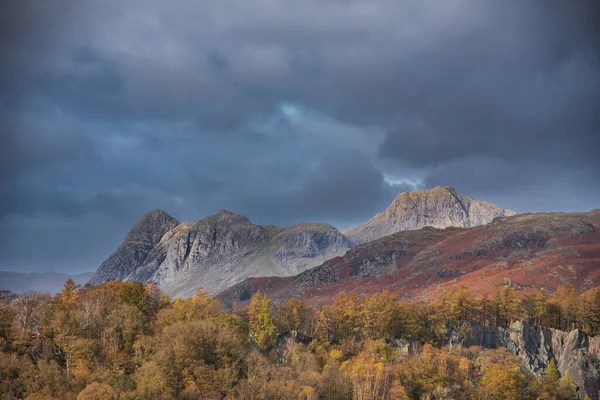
440 207
284 345
575 351
217 252
136 247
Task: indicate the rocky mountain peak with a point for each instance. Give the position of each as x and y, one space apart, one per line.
236 227
156 213
440 207
224 248
229 217
153 223
217 251
436 189
136 246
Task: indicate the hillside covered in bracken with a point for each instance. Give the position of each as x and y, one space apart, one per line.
528 252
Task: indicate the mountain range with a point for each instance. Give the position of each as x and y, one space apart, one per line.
222 250
217 251
527 251
50 282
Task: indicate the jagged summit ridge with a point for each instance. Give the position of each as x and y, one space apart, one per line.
217 251
440 207
136 246
222 249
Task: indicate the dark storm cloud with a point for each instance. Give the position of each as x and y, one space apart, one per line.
541 187
284 111
345 190
40 140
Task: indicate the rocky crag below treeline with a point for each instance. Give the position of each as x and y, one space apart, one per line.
574 352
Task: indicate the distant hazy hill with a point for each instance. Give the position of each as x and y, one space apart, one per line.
51 282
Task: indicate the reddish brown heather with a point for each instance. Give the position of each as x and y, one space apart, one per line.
528 252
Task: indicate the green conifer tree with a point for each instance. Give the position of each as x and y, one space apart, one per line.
552 371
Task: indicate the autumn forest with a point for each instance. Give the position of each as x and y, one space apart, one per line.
125 340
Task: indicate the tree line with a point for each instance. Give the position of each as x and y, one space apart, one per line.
126 340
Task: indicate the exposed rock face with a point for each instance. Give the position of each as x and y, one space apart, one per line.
573 351
217 252
284 345
439 207
527 252
223 249
138 243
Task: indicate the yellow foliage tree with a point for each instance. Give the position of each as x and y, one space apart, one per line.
502 382
260 317
97 391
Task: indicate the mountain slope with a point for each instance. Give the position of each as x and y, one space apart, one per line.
528 251
136 246
439 207
50 282
219 251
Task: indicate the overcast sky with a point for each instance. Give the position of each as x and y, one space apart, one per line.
284 111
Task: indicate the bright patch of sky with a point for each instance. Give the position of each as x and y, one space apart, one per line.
290 110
